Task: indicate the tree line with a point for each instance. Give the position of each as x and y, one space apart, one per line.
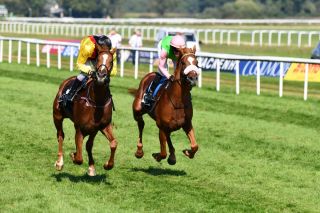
166 8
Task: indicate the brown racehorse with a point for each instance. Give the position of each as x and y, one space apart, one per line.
173 107
91 112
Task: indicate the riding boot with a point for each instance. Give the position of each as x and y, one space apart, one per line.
74 88
148 97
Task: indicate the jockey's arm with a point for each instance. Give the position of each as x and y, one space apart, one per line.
163 64
86 50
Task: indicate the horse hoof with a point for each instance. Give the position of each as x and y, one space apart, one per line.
171 160
91 172
74 160
157 157
108 166
72 154
58 165
188 153
139 154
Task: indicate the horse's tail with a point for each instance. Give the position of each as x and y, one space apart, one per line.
132 91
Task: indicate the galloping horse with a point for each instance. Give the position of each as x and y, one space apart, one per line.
91 112
173 107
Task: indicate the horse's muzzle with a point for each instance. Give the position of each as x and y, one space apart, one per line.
192 80
102 78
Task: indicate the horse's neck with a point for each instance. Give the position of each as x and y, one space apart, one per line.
178 90
99 93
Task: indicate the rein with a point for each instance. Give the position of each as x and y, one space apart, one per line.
169 84
181 105
92 103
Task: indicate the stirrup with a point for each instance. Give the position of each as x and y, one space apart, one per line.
147 100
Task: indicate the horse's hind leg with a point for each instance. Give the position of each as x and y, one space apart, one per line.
113 146
194 146
163 144
60 136
138 117
89 145
172 157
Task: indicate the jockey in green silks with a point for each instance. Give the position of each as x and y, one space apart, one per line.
168 47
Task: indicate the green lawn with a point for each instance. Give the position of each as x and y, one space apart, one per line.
257 153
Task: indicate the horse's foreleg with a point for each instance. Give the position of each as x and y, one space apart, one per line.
60 137
77 156
194 146
172 156
113 146
139 153
89 145
163 144
138 117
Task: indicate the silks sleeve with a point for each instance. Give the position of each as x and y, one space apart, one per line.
114 68
86 50
163 64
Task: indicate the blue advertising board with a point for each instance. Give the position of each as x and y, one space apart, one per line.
246 67
209 63
67 51
267 68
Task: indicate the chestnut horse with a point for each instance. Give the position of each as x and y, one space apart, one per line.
90 112
173 107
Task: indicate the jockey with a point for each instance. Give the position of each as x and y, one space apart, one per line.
89 50
168 48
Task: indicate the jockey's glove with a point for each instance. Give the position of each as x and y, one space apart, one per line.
91 71
171 78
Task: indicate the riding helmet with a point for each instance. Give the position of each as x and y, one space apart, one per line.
103 40
178 41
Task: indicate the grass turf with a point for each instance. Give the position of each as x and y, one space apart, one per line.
257 153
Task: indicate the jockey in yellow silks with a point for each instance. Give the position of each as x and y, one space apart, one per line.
89 50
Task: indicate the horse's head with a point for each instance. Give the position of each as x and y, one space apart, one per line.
104 65
187 66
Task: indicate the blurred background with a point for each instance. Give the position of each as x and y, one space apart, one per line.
165 8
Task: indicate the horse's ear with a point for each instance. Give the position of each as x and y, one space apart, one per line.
194 49
113 50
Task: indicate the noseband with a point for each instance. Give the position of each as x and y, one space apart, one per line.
189 68
103 65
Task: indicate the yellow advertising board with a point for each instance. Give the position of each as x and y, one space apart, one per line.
296 72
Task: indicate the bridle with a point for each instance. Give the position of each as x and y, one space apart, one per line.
103 64
101 75
186 54
188 69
